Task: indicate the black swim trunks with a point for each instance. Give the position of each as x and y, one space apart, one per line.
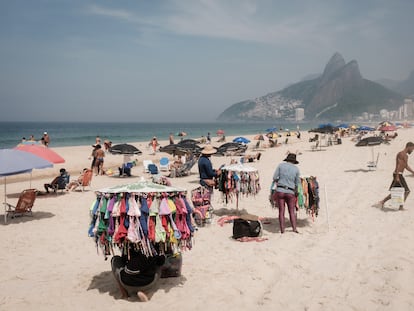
402 182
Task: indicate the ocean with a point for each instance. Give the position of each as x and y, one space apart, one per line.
83 133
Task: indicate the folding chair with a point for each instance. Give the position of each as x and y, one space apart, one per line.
87 180
146 163
164 164
24 205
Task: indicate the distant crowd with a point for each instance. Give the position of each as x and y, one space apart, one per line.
45 140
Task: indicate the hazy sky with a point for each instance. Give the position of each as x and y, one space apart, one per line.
186 60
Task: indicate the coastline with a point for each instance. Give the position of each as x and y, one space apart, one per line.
76 157
352 256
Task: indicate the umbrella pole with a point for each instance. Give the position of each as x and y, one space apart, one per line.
326 206
5 204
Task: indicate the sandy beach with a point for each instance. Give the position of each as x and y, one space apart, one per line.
352 257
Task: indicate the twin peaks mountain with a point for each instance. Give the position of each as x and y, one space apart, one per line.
339 93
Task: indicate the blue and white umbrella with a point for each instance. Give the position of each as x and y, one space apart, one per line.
241 140
13 162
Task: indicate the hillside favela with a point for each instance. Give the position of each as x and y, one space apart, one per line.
340 93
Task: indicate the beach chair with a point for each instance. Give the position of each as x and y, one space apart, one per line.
315 146
153 169
146 163
372 165
184 170
63 181
164 164
23 207
86 180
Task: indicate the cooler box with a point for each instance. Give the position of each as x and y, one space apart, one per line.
397 196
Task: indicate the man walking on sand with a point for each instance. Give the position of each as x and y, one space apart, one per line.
398 178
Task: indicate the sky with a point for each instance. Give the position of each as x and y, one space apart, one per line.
184 60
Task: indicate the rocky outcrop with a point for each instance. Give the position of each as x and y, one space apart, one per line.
340 91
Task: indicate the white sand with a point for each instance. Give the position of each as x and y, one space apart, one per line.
365 261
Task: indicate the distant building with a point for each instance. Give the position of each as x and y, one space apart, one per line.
299 114
384 114
408 108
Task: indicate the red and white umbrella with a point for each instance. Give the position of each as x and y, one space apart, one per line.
42 152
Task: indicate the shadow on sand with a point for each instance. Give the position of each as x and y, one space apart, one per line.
21 219
272 224
105 282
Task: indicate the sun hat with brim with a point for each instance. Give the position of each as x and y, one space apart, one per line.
208 150
291 157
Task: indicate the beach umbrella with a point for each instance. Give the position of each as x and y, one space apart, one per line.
125 149
370 141
234 148
220 132
272 129
13 162
365 128
141 186
241 140
173 149
188 142
324 129
42 152
343 125
387 128
261 137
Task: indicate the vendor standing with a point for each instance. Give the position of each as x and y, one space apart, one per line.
205 168
287 177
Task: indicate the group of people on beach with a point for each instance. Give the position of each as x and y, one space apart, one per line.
45 140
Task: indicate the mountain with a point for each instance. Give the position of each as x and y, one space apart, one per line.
388 83
340 92
405 87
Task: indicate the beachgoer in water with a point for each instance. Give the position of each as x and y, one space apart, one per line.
171 138
97 140
398 179
208 138
287 179
46 139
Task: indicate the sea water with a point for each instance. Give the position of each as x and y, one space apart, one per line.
83 133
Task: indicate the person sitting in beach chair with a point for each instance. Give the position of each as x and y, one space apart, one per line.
59 183
222 139
83 180
125 169
250 158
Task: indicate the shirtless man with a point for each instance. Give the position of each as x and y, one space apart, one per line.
398 178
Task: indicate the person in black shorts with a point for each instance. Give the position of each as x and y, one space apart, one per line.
398 179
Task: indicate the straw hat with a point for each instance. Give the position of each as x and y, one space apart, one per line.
291 157
209 149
